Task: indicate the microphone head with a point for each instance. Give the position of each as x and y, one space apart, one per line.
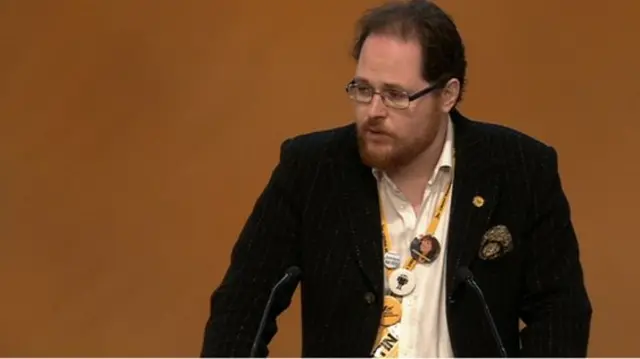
464 274
294 272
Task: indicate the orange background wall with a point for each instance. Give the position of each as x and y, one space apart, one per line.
136 134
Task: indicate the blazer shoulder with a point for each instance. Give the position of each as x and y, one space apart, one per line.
513 145
318 146
514 137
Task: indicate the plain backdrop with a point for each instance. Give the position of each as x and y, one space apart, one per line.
135 136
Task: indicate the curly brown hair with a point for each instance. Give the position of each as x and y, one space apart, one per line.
443 52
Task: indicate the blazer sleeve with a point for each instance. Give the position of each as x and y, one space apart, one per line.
267 245
555 308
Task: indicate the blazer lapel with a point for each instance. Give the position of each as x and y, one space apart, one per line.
475 193
360 206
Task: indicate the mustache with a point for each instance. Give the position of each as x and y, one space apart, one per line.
368 127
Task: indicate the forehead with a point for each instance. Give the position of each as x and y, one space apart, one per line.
389 59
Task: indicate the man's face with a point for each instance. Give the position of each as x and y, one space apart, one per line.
387 136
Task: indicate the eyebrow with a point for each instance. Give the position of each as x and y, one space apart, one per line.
387 85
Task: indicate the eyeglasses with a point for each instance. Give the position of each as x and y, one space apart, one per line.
398 99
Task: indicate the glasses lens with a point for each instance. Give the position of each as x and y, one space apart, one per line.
360 93
396 99
364 94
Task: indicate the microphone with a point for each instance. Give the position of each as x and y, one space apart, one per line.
289 280
464 274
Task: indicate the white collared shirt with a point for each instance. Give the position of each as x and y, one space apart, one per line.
424 332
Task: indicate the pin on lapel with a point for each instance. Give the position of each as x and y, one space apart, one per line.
478 201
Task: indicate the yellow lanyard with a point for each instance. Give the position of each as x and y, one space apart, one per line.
433 225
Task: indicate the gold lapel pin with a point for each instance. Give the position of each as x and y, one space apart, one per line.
478 201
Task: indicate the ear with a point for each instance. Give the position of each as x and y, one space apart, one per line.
449 95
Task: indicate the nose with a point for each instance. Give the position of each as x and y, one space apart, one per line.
377 108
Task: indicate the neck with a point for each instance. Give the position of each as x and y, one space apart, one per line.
412 178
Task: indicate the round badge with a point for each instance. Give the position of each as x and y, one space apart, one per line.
391 260
425 249
392 311
401 282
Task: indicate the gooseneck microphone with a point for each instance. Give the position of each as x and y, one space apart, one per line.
466 275
290 281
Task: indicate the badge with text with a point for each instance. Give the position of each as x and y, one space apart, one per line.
401 282
391 311
391 260
425 249
387 346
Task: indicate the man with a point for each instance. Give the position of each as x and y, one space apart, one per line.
346 206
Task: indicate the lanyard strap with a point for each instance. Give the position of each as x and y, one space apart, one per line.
433 225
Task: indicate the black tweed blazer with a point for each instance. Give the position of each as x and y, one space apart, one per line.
319 211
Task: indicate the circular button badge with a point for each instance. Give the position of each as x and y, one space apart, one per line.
425 249
391 260
401 282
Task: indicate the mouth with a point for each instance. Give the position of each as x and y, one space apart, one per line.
377 134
